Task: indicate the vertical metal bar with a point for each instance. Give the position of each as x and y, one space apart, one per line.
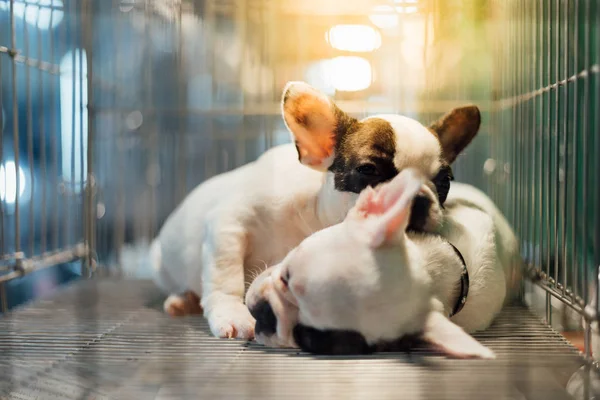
532 136
565 147
513 56
88 207
547 141
214 89
585 265
574 217
2 165
547 152
548 309
81 109
536 140
120 198
587 340
241 22
31 233
90 182
179 136
596 234
517 119
540 149
523 105
15 110
526 158
556 149
76 52
42 138
152 160
54 136
519 148
15 114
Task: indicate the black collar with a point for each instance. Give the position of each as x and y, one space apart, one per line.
464 284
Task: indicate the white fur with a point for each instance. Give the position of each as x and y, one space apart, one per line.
425 148
385 290
236 224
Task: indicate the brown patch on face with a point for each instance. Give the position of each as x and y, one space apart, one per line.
364 155
456 129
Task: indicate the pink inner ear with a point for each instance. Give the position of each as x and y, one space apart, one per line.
378 201
370 203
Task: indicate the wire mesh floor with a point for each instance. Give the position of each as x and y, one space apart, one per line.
109 340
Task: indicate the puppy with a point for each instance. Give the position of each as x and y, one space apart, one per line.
369 284
232 226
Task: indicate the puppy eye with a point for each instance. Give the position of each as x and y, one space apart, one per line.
285 278
367 169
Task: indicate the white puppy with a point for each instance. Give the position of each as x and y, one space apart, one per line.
366 283
232 226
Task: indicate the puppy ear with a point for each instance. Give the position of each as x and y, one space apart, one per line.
390 205
452 340
314 121
456 129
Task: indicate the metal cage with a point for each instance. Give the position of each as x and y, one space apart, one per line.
112 111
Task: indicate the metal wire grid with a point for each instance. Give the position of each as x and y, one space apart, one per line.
109 340
545 132
226 64
142 125
44 220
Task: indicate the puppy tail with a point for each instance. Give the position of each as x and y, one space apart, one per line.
135 260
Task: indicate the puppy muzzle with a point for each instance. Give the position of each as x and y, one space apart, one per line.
268 302
266 322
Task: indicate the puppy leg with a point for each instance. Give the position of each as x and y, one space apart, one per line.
223 286
178 305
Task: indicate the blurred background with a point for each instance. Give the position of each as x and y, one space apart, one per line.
113 110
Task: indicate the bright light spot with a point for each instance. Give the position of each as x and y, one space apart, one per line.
43 14
134 120
73 110
100 210
351 74
126 5
407 10
384 17
8 182
356 38
489 166
344 74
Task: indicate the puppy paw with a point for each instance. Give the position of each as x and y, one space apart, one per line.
232 321
180 305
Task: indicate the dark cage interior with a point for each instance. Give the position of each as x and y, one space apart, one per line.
113 110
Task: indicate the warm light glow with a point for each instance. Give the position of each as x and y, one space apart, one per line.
8 182
407 10
384 17
43 14
356 38
344 74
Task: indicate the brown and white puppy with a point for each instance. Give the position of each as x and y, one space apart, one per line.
234 225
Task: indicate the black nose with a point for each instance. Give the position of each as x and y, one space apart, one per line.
266 322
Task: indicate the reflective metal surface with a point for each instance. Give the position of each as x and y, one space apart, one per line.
110 340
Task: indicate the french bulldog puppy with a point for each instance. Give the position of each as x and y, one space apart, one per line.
370 284
233 225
